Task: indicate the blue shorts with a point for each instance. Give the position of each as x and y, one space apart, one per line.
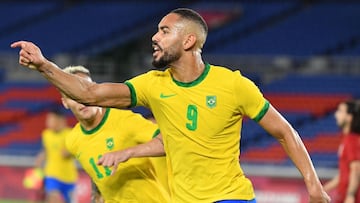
65 189
236 201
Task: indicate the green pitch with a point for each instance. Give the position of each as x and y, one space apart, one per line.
13 201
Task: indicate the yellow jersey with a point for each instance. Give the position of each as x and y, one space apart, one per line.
200 123
135 180
56 166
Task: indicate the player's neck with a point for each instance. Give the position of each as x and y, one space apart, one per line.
346 130
93 122
187 69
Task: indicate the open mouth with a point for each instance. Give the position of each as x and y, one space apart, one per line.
156 50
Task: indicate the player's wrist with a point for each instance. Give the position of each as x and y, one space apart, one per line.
314 187
45 65
130 153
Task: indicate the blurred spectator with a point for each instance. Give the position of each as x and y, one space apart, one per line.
347 180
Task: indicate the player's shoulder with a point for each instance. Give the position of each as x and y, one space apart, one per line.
225 75
66 130
74 131
122 114
223 70
157 73
152 76
353 138
113 112
73 138
46 132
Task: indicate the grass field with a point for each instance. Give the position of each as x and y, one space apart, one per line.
12 201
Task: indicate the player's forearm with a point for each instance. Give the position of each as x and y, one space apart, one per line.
84 91
332 184
297 152
279 128
152 148
75 87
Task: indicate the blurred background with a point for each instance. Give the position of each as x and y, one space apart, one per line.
303 54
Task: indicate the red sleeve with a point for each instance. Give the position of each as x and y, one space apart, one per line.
353 150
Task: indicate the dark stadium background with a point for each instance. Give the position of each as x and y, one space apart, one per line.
304 56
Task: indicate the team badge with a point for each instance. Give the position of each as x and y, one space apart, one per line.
211 101
110 143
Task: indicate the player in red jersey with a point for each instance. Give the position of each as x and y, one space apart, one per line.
347 181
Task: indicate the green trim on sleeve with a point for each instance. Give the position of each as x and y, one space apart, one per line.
156 133
132 93
262 112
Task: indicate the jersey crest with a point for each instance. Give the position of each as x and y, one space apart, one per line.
211 101
110 143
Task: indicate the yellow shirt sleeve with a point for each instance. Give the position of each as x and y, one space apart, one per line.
143 130
251 100
138 88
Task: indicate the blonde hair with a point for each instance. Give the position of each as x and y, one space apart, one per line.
76 69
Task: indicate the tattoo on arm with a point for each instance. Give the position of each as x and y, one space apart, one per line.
49 72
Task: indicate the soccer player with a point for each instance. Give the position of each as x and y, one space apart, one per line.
347 181
101 130
199 108
60 169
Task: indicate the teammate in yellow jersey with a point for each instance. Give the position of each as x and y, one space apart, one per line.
199 108
102 130
60 169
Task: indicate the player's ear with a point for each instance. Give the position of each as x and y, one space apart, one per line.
63 101
189 42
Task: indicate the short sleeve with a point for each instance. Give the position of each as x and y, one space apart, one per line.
250 100
138 89
144 130
353 149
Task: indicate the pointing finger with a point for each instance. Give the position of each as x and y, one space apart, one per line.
21 44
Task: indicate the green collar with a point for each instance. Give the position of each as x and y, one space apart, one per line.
197 81
94 130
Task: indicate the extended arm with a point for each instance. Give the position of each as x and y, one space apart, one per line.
332 184
152 148
77 88
354 181
278 127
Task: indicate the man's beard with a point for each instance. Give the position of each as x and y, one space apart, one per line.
165 60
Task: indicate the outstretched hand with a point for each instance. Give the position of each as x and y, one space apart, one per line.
113 159
30 55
